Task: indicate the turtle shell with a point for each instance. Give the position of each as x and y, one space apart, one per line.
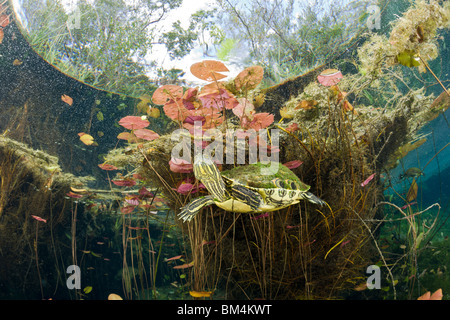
255 175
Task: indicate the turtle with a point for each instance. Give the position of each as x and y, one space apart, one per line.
245 189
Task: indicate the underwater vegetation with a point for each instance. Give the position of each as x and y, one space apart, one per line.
169 227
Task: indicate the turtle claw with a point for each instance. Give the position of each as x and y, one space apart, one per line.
189 211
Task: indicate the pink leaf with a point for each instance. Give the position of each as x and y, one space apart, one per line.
133 122
330 77
127 209
180 166
146 134
293 164
368 180
124 183
261 121
39 219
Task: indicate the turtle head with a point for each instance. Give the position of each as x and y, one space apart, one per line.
206 171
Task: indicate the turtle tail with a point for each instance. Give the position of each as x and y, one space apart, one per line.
314 199
189 211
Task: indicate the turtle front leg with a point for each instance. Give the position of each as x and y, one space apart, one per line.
189 211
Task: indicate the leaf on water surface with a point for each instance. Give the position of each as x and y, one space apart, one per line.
330 77
107 167
124 183
208 70
133 122
87 139
67 99
113 296
293 164
249 78
146 134
201 294
87 289
164 94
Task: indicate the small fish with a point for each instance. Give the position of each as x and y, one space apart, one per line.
408 205
173 258
368 180
411 172
39 218
264 215
17 62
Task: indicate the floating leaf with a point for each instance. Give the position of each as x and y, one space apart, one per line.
4 20
154 112
87 289
209 70
74 195
408 58
113 296
330 77
133 122
293 164
107 167
39 218
164 94
306 104
437 295
100 116
124 183
201 294
127 209
287 113
67 99
146 134
2 35
87 139
261 121
180 166
249 78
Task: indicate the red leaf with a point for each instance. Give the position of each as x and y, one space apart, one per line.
124 183
146 134
39 218
127 209
74 195
293 164
133 122
107 167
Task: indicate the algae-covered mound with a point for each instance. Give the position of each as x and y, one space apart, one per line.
32 186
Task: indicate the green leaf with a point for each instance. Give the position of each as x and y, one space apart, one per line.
408 58
87 289
100 116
